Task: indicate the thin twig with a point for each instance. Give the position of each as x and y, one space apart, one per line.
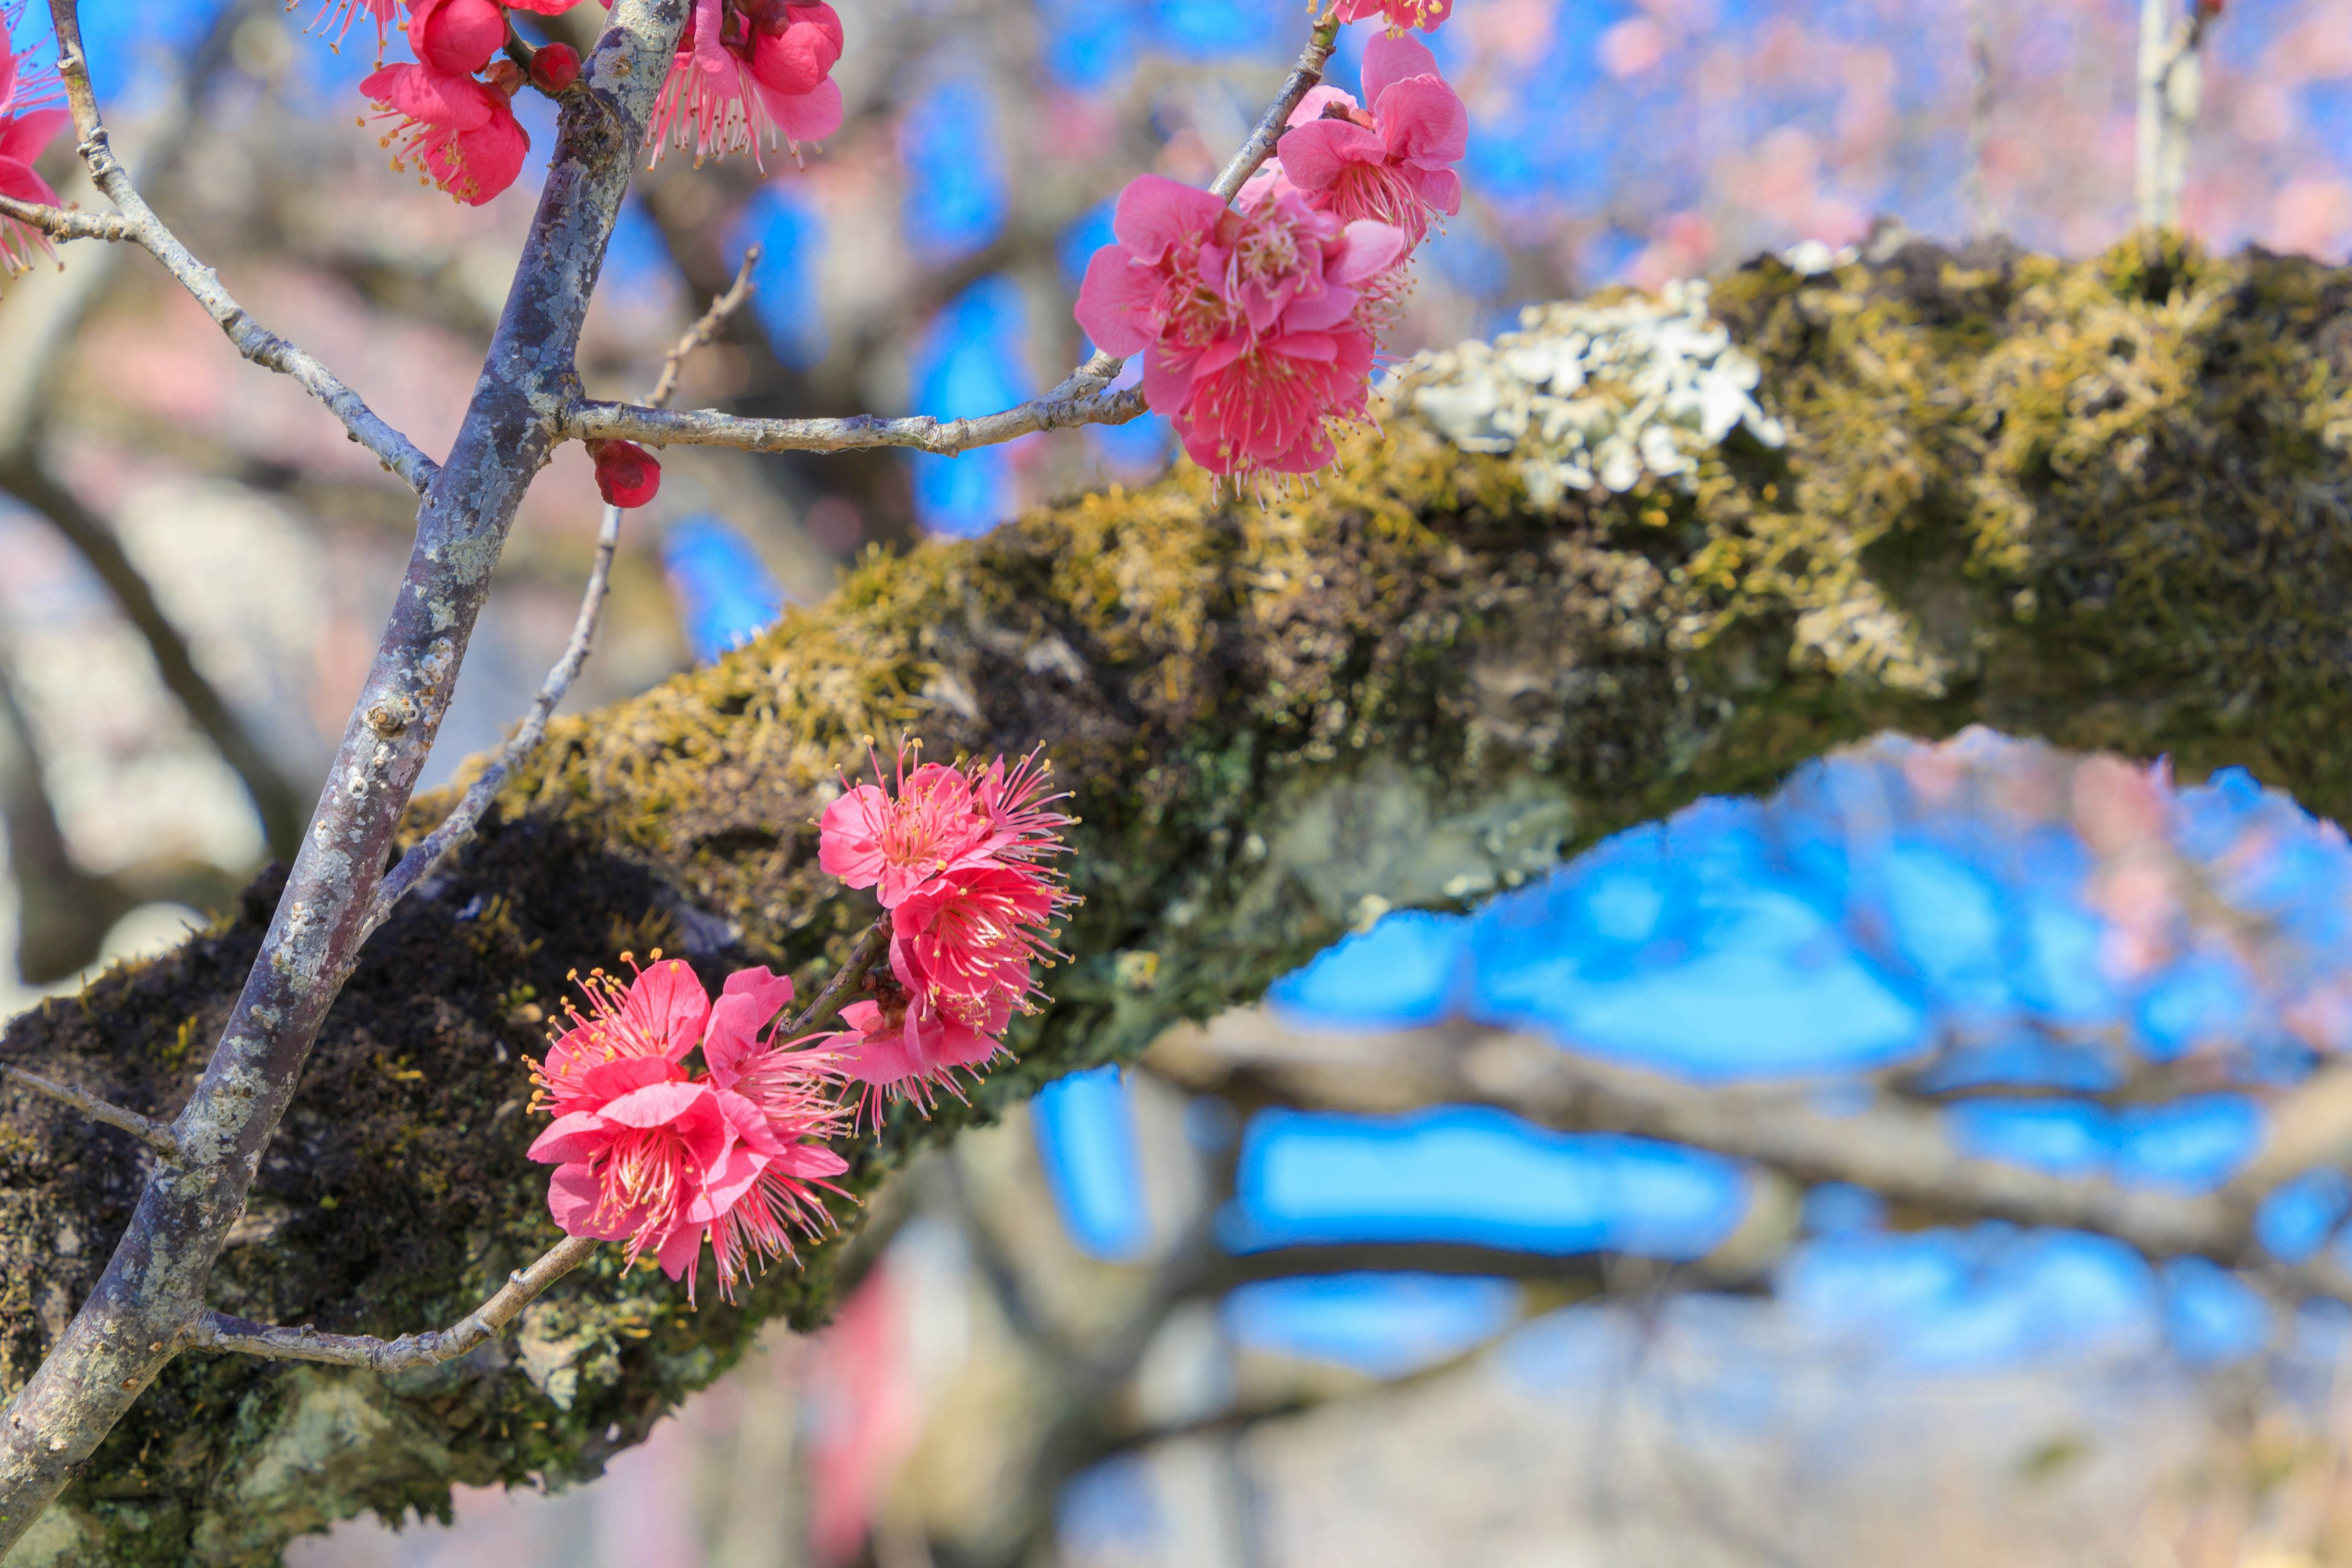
706 330
419 863
155 1134
829 1001
707 427
220 1331
1270 126
263 348
59 223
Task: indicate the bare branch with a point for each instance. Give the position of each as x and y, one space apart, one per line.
255 343
835 995
219 1331
1270 126
714 321
155 1134
705 428
460 824
59 223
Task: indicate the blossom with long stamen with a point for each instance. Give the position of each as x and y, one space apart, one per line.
29 121
734 86
665 1158
460 131
1402 15
1394 164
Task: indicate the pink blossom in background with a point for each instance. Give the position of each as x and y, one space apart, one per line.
865 1413
665 1158
28 123
336 16
1258 327
1394 164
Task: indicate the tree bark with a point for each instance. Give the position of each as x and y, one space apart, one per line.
2103 502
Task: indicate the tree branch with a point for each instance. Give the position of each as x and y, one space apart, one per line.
59 223
705 331
705 427
147 1129
141 227
220 1331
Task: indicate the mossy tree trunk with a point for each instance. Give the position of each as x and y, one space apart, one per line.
2103 502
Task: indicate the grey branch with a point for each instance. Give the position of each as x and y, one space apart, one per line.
151 1296
219 1331
707 427
829 1001
146 1129
59 223
1899 1151
142 228
2170 96
460 824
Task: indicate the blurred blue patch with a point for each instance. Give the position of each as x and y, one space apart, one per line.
637 267
1110 1511
136 47
1838 1208
1398 974
1088 43
971 359
2021 1059
724 593
955 180
2067 1138
2296 1219
2210 1314
1085 1126
2204 996
2188 1144
1384 1324
1078 243
1981 1298
1476 1176
790 233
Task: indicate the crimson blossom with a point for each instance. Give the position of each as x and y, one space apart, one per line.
627 474
1257 324
961 860
1402 15
29 122
746 72
459 128
650 1152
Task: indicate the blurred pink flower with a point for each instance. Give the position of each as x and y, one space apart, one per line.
1401 15
1632 46
649 1152
1258 327
1394 165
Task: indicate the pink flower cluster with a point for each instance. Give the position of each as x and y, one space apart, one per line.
1259 323
665 1157
30 121
454 105
961 860
746 72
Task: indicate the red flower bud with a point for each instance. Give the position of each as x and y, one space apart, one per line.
626 473
554 68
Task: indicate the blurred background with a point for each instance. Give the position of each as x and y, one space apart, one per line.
1211 1311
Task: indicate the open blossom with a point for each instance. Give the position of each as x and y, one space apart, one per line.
1259 326
666 1158
29 122
460 131
746 73
961 860
1393 164
1401 15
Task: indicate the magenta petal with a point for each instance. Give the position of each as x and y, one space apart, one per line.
1328 309
27 136
1441 188
848 840
1310 107
1319 346
668 1004
1168 379
679 1251
20 181
1316 155
1155 211
656 1103
809 1161
750 1125
570 1138
810 116
1372 248
608 1081
1388 60
1118 300
436 97
1422 121
724 1187
572 1199
494 154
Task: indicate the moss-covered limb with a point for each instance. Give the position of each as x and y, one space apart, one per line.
2099 501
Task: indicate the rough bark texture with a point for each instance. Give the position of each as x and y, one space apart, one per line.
2104 502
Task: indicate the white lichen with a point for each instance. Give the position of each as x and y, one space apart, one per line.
1596 396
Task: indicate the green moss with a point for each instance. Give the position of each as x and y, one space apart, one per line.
2101 501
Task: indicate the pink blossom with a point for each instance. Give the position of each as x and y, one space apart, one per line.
1401 15
741 80
1259 326
960 860
26 127
337 16
651 1152
456 35
460 130
1394 165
